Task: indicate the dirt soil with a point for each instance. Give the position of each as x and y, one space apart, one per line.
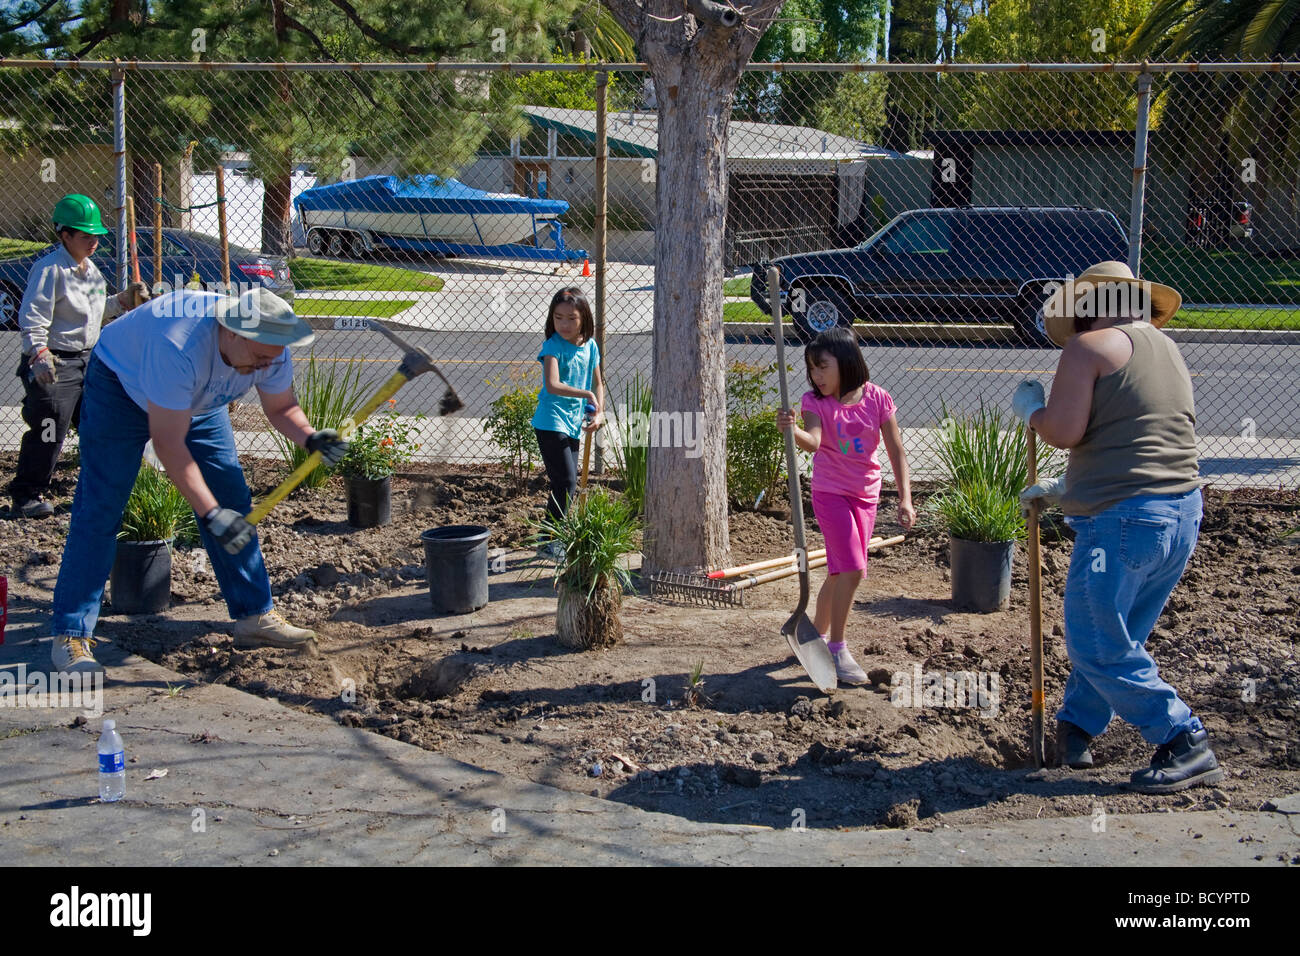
760 745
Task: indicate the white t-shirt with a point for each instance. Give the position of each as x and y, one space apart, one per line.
166 352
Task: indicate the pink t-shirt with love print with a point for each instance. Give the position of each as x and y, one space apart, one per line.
846 462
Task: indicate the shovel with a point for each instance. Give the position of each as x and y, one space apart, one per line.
799 631
1037 742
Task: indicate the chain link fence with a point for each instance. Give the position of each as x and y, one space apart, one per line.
928 207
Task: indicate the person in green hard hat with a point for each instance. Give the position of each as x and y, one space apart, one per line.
65 303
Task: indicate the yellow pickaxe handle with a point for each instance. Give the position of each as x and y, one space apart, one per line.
349 425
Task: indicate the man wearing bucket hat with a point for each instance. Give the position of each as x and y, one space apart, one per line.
167 372
63 306
1122 404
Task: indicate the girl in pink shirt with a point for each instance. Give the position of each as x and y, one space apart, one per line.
844 419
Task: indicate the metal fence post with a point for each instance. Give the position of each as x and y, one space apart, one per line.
1139 170
602 186
119 158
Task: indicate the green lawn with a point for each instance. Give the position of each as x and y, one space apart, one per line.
14 248
737 286
1259 319
1205 275
370 308
327 275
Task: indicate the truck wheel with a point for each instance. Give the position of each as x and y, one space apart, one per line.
317 242
340 245
1027 320
10 301
823 308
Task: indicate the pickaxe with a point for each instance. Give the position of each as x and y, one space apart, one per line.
415 362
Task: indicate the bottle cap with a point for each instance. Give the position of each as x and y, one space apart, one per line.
109 724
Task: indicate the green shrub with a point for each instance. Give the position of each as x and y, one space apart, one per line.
755 446
633 457
511 424
380 444
976 511
157 511
327 397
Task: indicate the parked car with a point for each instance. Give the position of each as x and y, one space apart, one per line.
967 264
184 253
1214 224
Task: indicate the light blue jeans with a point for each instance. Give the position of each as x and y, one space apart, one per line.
113 433
1126 561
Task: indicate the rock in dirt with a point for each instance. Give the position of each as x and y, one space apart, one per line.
742 776
879 676
802 707
903 815
326 575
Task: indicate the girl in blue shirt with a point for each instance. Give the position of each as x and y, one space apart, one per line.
571 376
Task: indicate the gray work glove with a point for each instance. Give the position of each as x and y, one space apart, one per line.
1048 491
229 528
1028 398
332 448
140 292
43 365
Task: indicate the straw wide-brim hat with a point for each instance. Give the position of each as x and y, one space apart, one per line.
261 315
1102 290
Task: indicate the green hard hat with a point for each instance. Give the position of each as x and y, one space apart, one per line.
79 212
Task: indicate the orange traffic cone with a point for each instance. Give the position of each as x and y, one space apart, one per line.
586 268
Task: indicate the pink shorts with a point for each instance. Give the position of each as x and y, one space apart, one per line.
846 524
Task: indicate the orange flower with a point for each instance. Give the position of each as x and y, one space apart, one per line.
386 442
392 403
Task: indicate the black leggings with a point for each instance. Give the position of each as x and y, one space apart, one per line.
560 456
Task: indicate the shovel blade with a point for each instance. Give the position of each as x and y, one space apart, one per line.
811 651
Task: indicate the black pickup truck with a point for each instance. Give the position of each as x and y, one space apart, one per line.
967 264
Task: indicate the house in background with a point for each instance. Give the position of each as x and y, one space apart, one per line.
790 188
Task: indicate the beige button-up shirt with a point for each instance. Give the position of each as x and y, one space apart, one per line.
64 304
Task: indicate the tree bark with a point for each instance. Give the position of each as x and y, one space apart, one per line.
277 212
696 65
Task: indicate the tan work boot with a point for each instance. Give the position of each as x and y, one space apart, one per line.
271 630
74 655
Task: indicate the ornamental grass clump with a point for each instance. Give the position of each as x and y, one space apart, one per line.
328 392
157 511
596 535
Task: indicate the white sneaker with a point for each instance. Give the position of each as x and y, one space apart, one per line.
847 669
270 630
73 655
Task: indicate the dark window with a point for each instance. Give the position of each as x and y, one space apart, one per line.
921 235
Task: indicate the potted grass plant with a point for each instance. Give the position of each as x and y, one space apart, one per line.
597 533
156 516
377 447
985 457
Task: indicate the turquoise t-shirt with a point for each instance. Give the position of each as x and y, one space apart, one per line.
577 367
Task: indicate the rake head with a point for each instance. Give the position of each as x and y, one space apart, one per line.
686 588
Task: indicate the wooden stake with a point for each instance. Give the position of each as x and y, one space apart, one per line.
221 223
1037 744
133 254
157 225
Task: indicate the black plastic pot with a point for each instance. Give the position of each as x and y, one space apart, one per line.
370 501
141 579
456 567
981 573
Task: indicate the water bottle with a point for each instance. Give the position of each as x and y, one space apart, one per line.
112 764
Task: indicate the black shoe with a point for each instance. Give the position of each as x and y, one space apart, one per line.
1186 761
1072 746
33 508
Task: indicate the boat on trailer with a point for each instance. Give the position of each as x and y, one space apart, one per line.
431 214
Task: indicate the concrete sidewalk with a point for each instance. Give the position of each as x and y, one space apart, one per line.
251 782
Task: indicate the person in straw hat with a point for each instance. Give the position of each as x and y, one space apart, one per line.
167 371
1122 404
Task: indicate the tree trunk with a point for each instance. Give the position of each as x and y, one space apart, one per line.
277 211
913 35
686 488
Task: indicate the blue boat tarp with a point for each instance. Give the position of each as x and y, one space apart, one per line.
421 194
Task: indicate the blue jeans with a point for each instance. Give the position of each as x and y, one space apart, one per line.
113 433
1126 561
